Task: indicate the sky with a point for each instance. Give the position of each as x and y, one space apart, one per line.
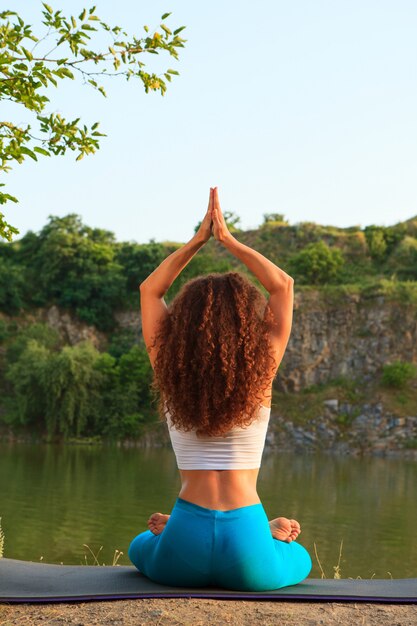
303 108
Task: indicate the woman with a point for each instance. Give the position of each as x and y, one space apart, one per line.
215 352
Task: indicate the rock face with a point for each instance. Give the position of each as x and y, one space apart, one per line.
71 330
354 337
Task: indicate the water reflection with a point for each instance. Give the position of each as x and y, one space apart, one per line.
54 499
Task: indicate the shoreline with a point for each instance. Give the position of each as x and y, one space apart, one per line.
341 429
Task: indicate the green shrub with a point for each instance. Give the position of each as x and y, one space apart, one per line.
398 374
316 264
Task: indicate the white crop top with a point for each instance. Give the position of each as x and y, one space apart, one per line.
240 448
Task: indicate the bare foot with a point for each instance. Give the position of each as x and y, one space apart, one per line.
157 523
284 529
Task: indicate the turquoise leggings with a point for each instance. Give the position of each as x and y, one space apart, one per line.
234 549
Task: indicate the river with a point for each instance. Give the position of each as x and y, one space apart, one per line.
56 498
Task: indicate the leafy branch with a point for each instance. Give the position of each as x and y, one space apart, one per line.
26 72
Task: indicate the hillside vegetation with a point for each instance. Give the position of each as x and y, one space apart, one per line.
63 391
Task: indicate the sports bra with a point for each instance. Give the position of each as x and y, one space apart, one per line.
240 448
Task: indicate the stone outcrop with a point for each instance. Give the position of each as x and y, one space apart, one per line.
353 337
71 329
344 428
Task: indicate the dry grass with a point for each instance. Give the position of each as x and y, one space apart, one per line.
1 540
337 571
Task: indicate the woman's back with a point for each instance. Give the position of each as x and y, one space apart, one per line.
215 352
221 472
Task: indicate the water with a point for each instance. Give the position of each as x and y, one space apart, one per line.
54 499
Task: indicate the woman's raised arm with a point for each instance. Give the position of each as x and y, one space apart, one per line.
155 286
278 283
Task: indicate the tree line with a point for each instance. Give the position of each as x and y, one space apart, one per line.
64 391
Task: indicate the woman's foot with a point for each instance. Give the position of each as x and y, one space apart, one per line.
284 529
157 523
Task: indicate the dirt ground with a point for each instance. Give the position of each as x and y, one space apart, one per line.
193 612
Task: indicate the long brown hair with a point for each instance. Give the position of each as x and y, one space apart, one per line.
214 357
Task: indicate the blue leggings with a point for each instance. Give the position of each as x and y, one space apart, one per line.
234 549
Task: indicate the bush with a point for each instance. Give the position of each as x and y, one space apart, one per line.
316 264
398 374
403 261
274 219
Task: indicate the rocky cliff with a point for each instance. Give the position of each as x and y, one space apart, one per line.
352 335
348 334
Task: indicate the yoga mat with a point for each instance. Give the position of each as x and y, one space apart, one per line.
27 581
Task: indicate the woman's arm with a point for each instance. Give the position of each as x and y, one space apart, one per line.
155 286
278 283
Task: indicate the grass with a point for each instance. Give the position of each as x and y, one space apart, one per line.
302 407
411 443
337 572
1 540
400 402
116 556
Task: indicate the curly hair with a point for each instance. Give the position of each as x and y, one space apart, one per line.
214 357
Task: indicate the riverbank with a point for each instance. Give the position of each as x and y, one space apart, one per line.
344 428
175 612
305 423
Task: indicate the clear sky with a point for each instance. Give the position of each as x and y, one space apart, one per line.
306 108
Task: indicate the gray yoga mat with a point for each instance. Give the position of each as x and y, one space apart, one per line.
27 581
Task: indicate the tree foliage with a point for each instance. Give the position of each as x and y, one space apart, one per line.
74 266
403 261
69 47
274 218
316 264
382 240
72 391
139 260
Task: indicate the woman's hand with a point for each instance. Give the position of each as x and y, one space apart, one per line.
204 232
220 229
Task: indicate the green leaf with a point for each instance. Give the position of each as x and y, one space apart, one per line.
42 151
173 72
165 15
178 30
80 156
47 7
146 29
74 23
25 150
166 30
27 54
66 72
82 15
